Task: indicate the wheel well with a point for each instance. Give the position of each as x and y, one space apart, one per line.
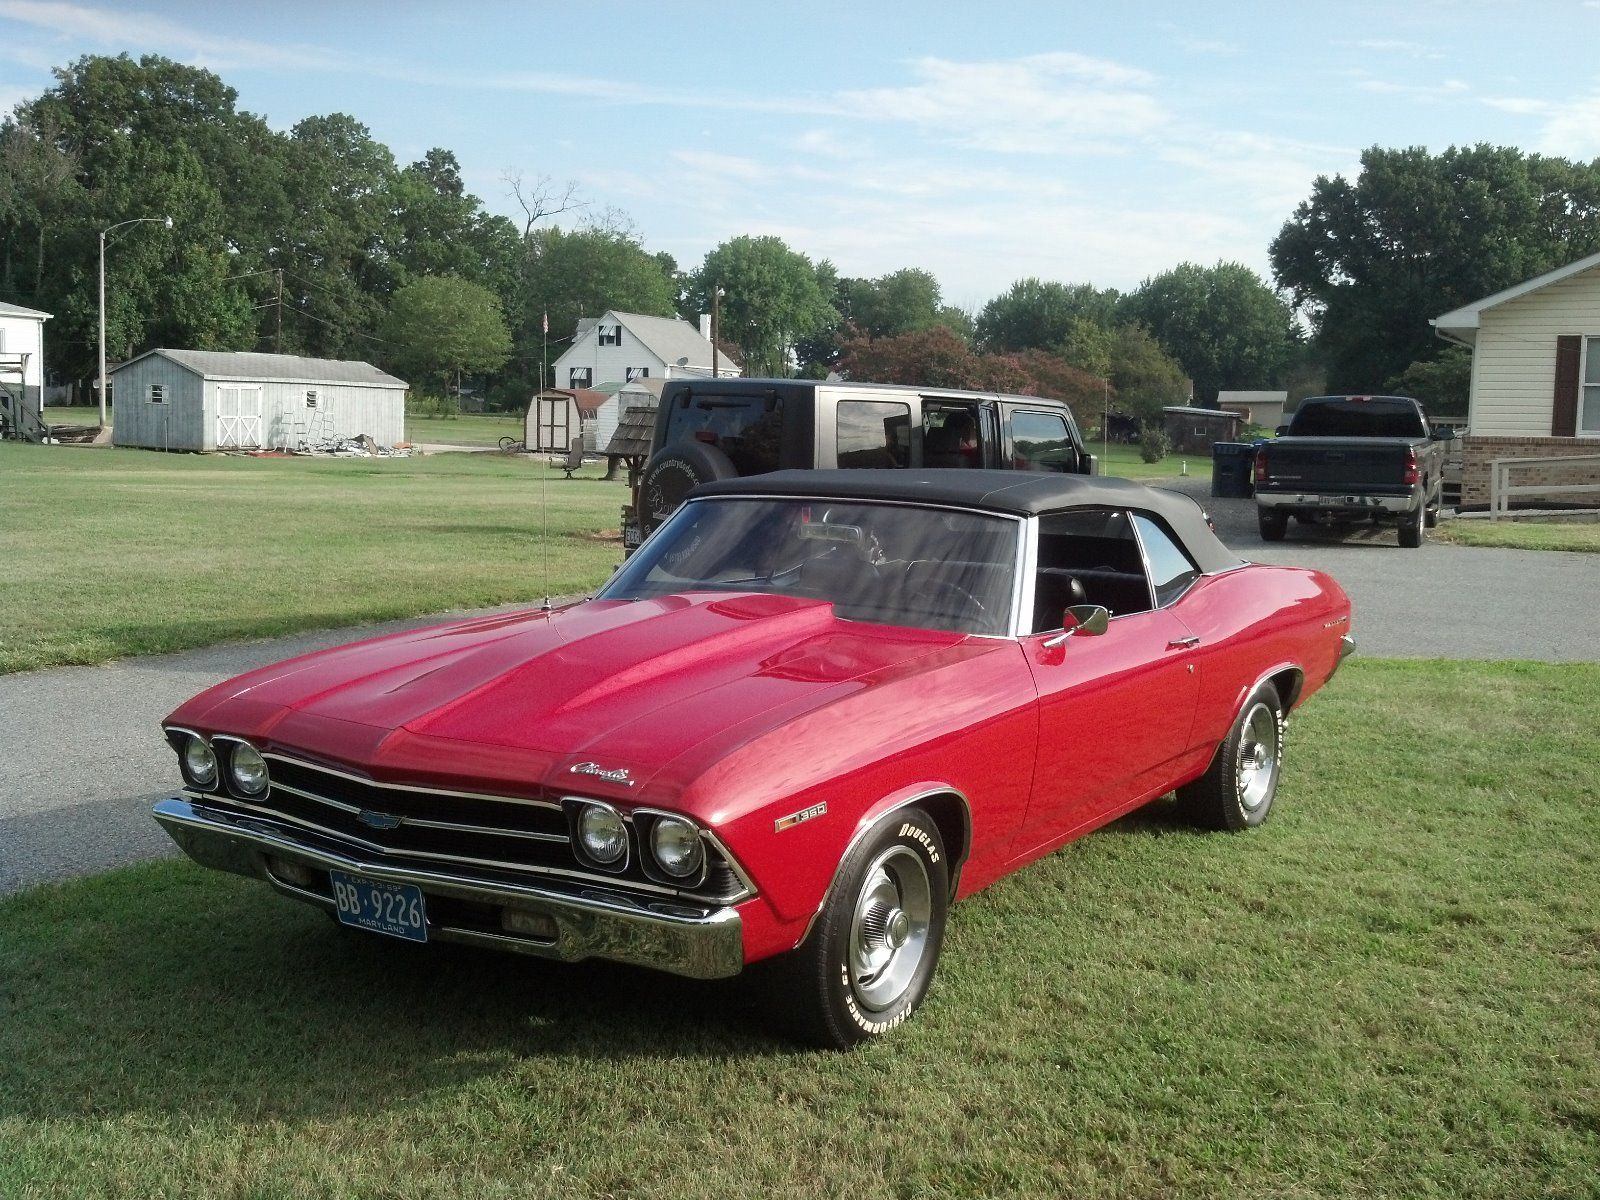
949 813
1288 682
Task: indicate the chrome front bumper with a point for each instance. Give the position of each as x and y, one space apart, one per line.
1340 502
590 922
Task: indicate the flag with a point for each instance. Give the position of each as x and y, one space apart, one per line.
547 322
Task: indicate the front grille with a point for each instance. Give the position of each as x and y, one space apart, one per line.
457 830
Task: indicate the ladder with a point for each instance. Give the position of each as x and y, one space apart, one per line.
20 420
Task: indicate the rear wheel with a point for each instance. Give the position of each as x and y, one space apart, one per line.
871 955
1274 523
1411 529
1238 789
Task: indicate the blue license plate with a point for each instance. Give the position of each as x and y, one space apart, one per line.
396 909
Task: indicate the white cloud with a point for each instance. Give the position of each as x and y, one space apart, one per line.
1395 46
1059 102
1570 128
1212 46
1428 92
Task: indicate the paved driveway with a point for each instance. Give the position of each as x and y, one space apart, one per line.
81 756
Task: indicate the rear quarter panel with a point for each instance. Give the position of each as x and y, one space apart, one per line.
1253 622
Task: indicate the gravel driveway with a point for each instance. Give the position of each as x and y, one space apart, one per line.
81 755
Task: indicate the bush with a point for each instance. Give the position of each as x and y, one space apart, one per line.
420 404
1154 444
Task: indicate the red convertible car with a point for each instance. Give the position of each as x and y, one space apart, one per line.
814 709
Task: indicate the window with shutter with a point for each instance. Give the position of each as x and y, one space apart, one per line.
1589 396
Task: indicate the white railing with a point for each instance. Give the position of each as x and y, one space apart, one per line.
1501 491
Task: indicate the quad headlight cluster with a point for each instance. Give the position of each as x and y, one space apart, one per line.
670 848
229 762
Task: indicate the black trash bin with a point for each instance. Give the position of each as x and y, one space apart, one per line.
1231 465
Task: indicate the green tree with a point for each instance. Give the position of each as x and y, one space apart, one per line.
1418 234
1146 377
1223 324
772 299
1442 384
1087 345
1037 315
440 327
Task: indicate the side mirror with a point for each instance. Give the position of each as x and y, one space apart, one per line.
1443 433
1081 620
1281 430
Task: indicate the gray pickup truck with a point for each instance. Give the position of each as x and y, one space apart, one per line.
1344 459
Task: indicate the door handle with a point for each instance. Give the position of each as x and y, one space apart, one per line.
1183 643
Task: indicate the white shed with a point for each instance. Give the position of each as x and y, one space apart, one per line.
205 400
557 415
21 368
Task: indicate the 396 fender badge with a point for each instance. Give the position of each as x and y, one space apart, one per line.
795 818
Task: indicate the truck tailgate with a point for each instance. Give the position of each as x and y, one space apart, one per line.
1337 464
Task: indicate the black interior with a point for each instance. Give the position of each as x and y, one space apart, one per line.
1089 557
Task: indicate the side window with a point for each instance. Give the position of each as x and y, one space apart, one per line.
1171 572
874 433
1039 442
1087 556
580 377
951 435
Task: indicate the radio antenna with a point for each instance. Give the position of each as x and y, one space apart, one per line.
544 529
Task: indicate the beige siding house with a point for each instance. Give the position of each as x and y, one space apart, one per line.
1535 376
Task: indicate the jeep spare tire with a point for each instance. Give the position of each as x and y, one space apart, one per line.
672 473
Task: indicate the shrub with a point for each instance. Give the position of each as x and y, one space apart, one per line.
1154 444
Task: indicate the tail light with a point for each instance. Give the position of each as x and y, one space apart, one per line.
1261 466
1410 477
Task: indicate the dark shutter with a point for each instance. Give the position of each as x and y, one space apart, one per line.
1564 415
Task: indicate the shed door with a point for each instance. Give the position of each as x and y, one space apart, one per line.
238 416
555 424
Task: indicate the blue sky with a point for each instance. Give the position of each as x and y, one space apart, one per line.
1083 142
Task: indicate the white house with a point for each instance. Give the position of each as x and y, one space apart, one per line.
204 400
1257 408
21 364
1535 389
620 347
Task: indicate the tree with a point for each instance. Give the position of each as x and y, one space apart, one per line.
938 357
1442 385
772 299
1223 325
440 326
1146 377
1036 315
1416 235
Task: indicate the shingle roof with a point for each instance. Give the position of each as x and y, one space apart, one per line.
16 310
284 368
670 339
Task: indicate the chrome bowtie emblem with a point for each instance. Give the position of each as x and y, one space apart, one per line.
615 775
378 820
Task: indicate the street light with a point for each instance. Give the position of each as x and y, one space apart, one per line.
167 221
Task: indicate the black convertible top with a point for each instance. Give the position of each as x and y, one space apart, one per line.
1016 493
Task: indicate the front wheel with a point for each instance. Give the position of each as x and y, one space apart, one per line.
1238 789
871 955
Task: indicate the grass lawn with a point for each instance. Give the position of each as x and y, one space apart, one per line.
1389 991
117 552
1125 461
77 415
1524 535
469 429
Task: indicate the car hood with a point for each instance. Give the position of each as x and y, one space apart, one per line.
601 697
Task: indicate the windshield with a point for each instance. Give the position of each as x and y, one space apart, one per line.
1358 418
892 564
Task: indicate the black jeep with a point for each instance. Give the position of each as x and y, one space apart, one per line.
709 429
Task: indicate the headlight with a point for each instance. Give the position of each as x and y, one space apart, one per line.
676 846
199 761
602 834
247 768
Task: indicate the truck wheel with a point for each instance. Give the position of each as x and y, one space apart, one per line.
1411 529
1274 523
1239 786
872 952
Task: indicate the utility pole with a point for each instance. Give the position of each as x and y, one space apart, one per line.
716 295
277 342
167 221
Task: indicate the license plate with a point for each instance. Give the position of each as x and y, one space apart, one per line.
396 909
631 538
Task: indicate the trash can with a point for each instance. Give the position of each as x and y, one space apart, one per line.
1231 464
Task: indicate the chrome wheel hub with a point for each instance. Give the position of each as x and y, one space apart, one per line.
889 928
1259 748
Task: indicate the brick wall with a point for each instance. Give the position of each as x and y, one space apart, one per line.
1478 452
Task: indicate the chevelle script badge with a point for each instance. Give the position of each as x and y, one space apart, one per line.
618 775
